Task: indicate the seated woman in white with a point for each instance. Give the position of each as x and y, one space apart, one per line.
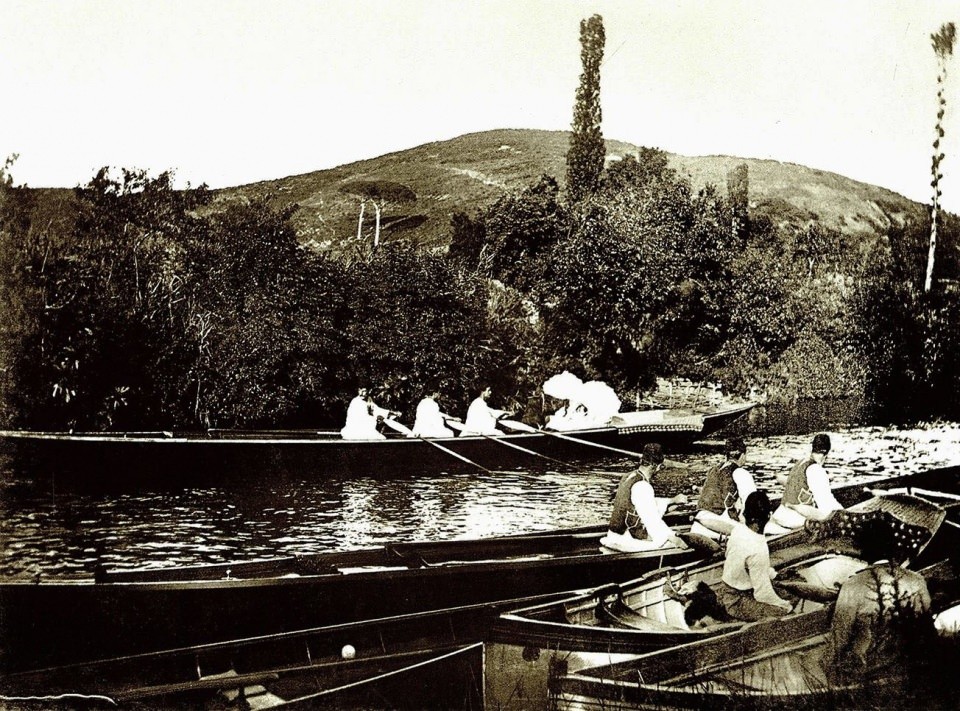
430 421
362 418
481 418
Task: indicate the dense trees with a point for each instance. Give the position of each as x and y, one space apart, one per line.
157 308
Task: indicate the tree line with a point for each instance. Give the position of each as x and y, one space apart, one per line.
137 306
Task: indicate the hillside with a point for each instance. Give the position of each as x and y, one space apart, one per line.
472 171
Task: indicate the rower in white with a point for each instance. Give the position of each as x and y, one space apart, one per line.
363 415
481 418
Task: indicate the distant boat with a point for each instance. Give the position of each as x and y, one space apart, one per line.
126 456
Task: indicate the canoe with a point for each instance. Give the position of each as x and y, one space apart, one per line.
772 664
423 660
646 614
63 620
126 456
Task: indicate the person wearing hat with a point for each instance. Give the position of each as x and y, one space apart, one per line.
806 493
636 522
724 492
746 592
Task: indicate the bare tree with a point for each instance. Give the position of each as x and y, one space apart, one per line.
380 193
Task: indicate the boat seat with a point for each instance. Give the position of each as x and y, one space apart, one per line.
254 696
620 615
310 565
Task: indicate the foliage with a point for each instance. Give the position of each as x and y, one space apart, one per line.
586 154
467 237
520 231
943 42
415 324
635 289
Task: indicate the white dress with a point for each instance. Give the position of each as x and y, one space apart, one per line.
481 419
362 420
429 421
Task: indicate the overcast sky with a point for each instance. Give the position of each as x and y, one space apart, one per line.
229 92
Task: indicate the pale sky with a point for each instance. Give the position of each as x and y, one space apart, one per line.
234 91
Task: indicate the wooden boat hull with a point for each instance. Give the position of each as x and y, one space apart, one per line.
423 660
527 646
63 621
773 664
123 457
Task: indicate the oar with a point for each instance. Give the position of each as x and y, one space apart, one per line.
457 425
404 430
912 490
521 427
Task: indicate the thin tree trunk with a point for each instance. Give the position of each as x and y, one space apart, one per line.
360 221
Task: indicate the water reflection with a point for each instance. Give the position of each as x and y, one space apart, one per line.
50 531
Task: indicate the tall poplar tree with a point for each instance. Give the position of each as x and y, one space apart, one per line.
586 154
943 47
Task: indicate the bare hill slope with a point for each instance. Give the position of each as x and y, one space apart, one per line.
472 171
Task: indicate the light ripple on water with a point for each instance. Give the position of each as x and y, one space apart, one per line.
67 532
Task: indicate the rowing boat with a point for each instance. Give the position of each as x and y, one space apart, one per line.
772 664
62 620
126 456
422 660
650 613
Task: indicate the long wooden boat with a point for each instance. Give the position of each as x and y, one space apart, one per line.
623 620
772 664
422 660
61 620
135 455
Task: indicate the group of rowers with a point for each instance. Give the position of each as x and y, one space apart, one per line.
731 508
364 416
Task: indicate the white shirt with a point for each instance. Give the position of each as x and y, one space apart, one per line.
819 484
744 481
650 509
481 418
429 421
747 566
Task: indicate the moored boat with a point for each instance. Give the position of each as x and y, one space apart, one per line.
658 610
126 456
62 620
422 660
772 664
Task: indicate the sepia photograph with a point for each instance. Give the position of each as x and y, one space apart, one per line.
492 356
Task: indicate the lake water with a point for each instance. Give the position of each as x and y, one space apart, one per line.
50 531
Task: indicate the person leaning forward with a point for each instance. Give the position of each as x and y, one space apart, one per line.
724 492
636 522
429 420
746 592
806 494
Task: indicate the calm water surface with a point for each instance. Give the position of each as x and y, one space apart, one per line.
47 530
